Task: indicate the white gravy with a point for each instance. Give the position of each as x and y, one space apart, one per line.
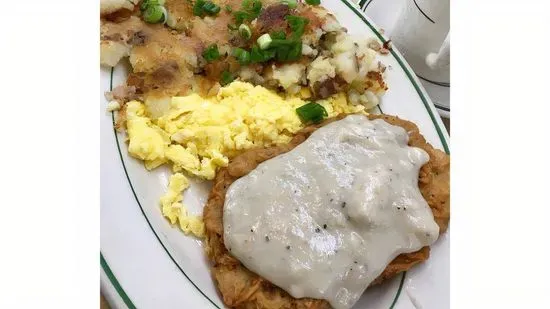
325 219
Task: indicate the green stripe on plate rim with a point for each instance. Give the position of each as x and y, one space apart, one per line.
106 268
115 282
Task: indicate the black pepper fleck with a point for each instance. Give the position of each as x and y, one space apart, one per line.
348 218
252 230
317 230
267 238
288 247
331 199
296 209
295 191
398 207
355 262
391 169
325 226
343 204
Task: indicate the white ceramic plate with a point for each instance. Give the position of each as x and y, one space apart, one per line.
385 13
146 263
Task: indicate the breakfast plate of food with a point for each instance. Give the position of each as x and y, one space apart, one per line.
266 154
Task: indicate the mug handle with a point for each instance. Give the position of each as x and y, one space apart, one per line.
441 58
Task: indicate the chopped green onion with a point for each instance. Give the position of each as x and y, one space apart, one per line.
250 9
210 8
242 55
279 43
232 27
143 5
297 25
197 8
146 3
252 6
155 14
228 8
313 2
264 41
226 78
203 7
282 53
245 32
311 112
279 35
165 17
295 51
211 53
290 3
258 55
241 16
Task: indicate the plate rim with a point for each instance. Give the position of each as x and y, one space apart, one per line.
428 104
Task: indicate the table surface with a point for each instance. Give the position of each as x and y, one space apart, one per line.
378 18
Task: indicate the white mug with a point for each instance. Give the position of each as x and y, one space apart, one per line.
421 33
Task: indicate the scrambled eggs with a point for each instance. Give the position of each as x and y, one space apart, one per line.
174 210
199 135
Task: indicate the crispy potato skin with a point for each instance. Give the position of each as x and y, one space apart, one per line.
243 289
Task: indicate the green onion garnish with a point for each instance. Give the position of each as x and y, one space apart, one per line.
250 9
241 16
295 51
290 3
228 8
278 35
311 112
203 7
252 6
287 50
155 14
313 2
143 5
258 55
226 78
211 53
245 32
242 55
264 40
297 25
279 43
197 8
146 3
211 8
